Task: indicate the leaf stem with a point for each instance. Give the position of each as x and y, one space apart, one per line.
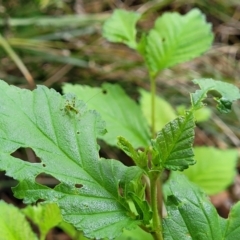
153 93
157 220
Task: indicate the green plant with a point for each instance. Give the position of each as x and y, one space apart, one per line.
102 197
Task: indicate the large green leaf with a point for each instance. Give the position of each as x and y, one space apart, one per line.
45 216
190 213
175 39
215 169
13 224
122 115
120 27
62 133
164 111
229 93
173 145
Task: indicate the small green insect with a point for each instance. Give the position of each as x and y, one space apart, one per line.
70 105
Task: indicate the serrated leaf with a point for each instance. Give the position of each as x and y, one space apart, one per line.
164 111
62 133
229 93
215 169
13 224
176 39
174 144
232 230
190 213
121 27
45 216
122 115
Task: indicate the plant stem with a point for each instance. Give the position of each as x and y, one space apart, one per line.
153 93
157 220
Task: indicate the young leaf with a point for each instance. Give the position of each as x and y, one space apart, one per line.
63 135
142 208
175 39
45 216
229 93
173 145
140 158
215 169
164 110
232 230
122 115
13 224
120 27
190 213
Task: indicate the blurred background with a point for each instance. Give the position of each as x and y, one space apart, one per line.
51 42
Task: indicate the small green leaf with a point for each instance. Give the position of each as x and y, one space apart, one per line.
122 115
65 140
121 27
140 158
190 213
176 39
229 93
13 224
165 112
232 230
142 208
45 216
173 144
215 169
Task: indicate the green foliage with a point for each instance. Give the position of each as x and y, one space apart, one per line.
139 157
215 169
66 144
102 197
120 27
192 216
176 39
190 213
13 224
111 101
229 93
45 216
232 227
173 145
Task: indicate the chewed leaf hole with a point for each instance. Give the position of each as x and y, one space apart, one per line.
47 180
77 185
26 154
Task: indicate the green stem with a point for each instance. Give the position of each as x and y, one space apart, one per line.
156 220
153 93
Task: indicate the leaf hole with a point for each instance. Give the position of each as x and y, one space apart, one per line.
78 132
78 185
47 180
104 91
26 154
44 165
